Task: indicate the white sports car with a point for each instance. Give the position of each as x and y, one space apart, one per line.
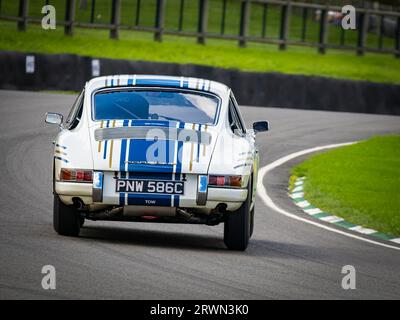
156 149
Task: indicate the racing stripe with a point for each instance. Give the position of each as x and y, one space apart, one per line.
137 154
178 168
152 123
61 159
105 142
198 145
122 163
158 82
60 146
200 84
123 151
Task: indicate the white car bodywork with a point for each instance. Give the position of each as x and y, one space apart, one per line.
90 146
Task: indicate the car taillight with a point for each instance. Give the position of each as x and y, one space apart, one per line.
76 175
221 181
88 176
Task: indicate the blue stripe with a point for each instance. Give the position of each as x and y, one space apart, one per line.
105 143
122 164
121 198
137 153
198 145
123 156
150 175
153 123
178 168
158 82
123 152
60 146
170 159
62 159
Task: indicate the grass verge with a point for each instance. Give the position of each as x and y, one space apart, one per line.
358 183
224 54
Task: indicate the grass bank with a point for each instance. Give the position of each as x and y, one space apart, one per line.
224 54
359 183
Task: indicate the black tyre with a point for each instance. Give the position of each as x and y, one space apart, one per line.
251 222
81 221
237 225
66 220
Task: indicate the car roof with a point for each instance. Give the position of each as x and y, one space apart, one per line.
157 81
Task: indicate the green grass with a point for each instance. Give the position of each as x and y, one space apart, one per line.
225 54
359 183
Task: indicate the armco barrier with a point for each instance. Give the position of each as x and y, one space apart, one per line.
69 72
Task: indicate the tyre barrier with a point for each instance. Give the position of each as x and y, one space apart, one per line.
25 71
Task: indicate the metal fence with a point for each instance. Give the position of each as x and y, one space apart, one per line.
277 22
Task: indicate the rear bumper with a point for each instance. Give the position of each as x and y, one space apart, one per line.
73 189
232 197
226 194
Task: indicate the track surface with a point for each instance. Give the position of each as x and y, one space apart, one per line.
285 259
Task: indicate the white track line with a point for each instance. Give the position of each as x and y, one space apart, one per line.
262 192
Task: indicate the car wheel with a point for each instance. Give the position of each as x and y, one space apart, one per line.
251 222
66 219
237 225
81 221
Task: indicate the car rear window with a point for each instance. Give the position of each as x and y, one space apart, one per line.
156 104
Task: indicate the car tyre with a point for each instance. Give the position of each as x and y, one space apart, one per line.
81 221
66 219
251 222
237 225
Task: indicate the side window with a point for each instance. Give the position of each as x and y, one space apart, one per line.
234 121
239 116
76 112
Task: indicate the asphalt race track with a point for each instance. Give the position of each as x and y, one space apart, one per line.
285 259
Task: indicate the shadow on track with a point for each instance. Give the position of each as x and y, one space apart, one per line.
175 240
152 238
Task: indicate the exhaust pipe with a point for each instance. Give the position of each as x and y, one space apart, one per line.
184 214
78 203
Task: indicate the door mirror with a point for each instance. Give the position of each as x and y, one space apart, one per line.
260 126
54 118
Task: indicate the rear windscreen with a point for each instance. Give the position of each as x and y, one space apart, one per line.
156 104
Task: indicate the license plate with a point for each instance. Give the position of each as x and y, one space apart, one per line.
149 186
